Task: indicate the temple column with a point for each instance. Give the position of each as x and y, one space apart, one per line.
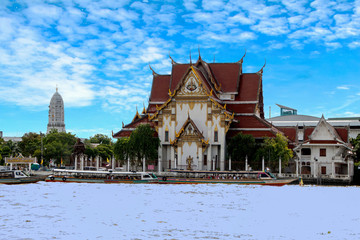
179 156
333 169
229 163
209 158
113 163
222 157
246 163
159 164
172 158
200 159
128 164
144 167
279 166
76 157
97 163
82 162
263 164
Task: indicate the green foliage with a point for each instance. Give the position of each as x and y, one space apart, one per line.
355 142
104 151
239 147
101 139
143 144
58 146
242 145
274 148
122 150
30 143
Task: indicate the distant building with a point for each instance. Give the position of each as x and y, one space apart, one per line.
322 147
284 111
56 113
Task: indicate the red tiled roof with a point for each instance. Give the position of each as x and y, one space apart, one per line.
241 108
248 87
290 132
307 132
177 73
323 141
129 127
160 88
226 74
250 122
343 133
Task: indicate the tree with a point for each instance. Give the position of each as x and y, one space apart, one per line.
101 139
105 151
122 150
240 147
144 144
30 143
355 142
58 146
275 148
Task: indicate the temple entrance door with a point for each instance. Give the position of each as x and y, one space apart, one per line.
188 163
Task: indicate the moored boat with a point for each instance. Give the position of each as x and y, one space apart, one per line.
16 177
227 177
85 176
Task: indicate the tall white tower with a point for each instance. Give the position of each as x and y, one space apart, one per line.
56 113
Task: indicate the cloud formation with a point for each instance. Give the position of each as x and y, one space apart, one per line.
99 51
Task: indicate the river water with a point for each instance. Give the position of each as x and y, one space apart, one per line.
206 211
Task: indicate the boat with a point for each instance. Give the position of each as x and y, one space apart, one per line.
87 176
16 177
227 177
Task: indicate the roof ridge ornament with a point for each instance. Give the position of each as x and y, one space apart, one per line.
242 59
153 72
199 53
260 72
172 60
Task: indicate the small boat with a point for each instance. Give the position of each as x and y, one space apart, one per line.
16 177
86 176
227 177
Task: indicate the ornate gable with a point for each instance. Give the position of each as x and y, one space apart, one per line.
189 132
191 85
324 131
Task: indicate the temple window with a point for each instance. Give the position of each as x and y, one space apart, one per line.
322 152
216 136
166 136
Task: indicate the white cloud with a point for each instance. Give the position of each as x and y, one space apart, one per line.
343 87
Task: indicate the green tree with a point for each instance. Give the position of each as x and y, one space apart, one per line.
58 146
105 151
273 149
122 150
30 143
144 144
101 139
240 146
355 142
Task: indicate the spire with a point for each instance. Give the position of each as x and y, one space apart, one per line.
57 88
199 53
190 58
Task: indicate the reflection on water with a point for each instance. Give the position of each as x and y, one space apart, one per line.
141 211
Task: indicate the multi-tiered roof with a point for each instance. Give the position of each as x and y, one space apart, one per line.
240 94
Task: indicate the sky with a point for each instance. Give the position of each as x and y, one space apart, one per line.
98 54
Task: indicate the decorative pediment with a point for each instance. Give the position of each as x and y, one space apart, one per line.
189 132
191 86
324 131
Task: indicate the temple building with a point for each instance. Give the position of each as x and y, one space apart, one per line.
197 108
56 113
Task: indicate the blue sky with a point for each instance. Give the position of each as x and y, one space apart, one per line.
98 53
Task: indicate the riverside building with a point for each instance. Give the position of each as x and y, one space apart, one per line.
197 108
56 113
